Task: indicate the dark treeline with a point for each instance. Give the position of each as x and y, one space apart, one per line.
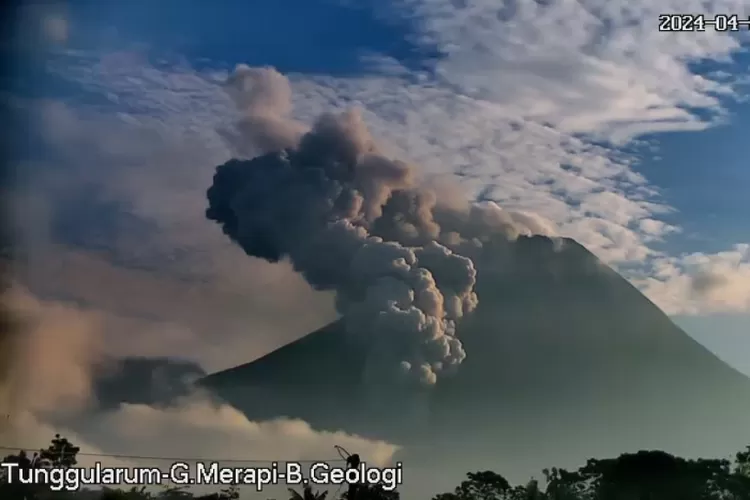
646 475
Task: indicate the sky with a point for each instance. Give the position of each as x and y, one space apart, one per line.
629 140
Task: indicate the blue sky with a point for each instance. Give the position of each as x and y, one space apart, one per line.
629 140
705 176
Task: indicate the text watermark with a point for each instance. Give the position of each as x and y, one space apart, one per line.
205 473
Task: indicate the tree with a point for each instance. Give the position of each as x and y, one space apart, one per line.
656 474
737 484
60 453
371 492
230 493
308 494
486 485
646 475
140 493
134 493
9 486
530 491
566 485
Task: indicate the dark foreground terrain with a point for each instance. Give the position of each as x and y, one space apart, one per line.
651 475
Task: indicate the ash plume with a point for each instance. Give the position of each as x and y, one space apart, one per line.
354 221
316 203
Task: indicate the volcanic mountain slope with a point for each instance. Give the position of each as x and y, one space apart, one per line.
562 354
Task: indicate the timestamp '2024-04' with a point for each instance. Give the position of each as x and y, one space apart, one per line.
701 22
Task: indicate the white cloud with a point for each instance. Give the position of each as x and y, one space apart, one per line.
221 432
596 67
701 283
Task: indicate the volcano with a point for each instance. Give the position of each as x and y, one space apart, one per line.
564 358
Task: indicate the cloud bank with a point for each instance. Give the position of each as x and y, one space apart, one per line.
702 283
55 386
592 67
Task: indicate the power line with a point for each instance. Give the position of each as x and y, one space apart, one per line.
175 459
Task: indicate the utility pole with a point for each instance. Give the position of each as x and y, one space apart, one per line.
352 462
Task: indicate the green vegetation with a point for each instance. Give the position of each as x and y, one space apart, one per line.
646 475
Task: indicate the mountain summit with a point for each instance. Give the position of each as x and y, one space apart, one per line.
564 356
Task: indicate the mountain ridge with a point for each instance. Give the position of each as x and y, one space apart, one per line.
561 348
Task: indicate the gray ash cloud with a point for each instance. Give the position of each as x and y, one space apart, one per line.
352 220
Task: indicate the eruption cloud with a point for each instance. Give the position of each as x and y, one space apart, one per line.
350 220
401 258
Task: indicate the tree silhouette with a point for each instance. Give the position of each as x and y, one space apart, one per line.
486 485
307 494
60 453
656 474
646 475
140 493
134 493
530 491
371 492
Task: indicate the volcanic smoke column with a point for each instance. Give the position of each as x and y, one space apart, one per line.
316 202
